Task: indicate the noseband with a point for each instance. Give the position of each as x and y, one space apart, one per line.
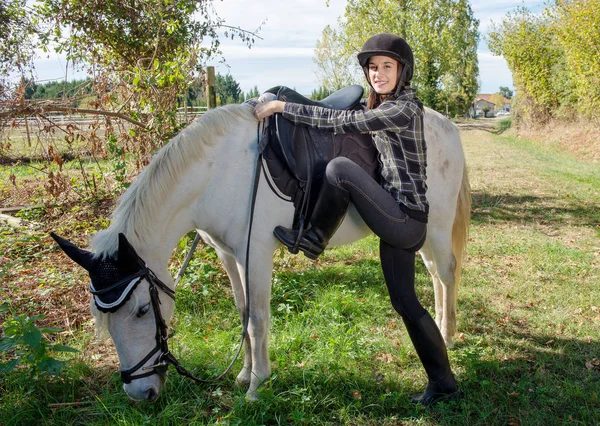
165 357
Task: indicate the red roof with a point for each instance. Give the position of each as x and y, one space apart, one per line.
486 97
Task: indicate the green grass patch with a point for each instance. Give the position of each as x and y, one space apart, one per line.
528 318
504 125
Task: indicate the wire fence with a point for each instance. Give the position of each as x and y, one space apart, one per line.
184 115
24 133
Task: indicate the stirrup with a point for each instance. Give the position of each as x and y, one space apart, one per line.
296 246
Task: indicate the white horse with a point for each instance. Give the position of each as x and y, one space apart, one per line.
202 180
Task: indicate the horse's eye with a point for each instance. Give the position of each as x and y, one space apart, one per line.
143 310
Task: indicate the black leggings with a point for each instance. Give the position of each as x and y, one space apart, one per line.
400 236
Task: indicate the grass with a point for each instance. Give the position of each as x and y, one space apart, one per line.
528 318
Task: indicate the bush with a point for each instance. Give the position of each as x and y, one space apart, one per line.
24 343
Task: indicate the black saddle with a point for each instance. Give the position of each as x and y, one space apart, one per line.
295 156
346 98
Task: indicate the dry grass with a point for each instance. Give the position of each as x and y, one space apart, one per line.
579 138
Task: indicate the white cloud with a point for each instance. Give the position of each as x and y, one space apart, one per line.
290 31
493 72
285 23
487 11
237 52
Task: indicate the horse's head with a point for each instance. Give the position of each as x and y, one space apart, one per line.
135 306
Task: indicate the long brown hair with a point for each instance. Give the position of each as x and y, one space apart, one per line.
374 100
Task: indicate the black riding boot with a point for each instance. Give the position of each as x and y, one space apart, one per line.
327 216
430 346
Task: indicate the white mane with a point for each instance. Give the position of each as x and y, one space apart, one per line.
153 185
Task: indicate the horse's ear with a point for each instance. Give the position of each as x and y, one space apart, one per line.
127 258
82 257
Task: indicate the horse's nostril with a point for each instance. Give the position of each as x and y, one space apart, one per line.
151 394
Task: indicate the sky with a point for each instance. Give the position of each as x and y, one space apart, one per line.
289 32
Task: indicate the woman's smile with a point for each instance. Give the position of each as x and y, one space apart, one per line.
381 83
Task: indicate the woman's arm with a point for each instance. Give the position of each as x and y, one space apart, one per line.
391 116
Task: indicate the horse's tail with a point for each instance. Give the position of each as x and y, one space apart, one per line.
460 228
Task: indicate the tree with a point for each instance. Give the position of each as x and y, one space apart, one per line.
575 26
253 93
227 89
506 92
485 110
554 59
145 54
195 92
498 100
321 93
58 89
526 42
336 66
443 34
144 57
17 30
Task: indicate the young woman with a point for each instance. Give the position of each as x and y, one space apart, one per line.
396 210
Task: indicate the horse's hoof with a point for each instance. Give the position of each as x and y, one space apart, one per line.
243 379
448 341
252 396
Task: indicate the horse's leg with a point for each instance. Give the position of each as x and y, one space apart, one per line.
226 256
428 260
258 329
230 264
438 254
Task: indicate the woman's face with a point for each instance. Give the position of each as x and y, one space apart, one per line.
383 73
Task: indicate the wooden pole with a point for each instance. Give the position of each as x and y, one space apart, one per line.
24 88
185 109
211 97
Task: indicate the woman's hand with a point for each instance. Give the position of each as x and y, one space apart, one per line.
267 109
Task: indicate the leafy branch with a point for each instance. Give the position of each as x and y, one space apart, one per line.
25 344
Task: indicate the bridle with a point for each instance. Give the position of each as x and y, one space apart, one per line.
165 357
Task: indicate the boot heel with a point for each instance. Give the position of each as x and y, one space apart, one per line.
310 255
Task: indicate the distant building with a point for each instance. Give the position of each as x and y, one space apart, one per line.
483 101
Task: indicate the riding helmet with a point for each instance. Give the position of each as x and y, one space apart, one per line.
391 45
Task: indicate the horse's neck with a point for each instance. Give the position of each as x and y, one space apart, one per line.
174 215
184 186
158 208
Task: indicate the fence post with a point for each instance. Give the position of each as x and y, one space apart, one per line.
23 88
185 109
211 98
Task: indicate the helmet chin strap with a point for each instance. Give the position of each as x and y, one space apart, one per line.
402 83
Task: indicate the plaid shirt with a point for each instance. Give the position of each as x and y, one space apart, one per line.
397 130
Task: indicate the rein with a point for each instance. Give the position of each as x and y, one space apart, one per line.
165 357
